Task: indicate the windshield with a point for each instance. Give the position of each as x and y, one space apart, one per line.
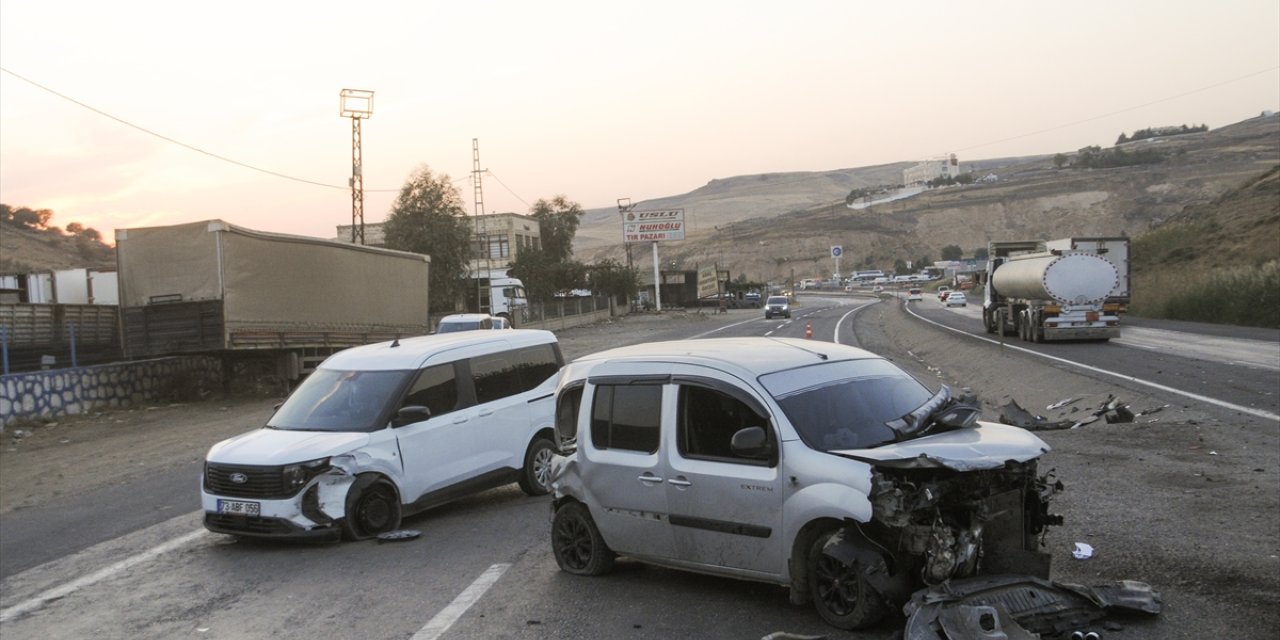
845 405
331 400
777 300
450 327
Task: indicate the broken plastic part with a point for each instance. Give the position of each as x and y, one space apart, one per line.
1023 603
400 535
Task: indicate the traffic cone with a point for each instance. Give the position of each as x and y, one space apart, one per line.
808 330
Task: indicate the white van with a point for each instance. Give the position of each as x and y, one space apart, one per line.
390 429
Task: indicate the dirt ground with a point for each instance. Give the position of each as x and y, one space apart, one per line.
1183 499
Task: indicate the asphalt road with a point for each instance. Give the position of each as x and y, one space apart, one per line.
109 565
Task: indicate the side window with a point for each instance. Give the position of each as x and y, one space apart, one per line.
707 421
536 364
436 389
567 406
626 417
495 376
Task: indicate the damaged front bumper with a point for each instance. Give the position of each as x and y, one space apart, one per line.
310 514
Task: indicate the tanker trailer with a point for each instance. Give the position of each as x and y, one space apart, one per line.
1044 296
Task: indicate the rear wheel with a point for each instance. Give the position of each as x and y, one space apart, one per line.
535 478
372 508
577 544
840 592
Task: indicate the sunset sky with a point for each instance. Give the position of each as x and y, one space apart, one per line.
594 100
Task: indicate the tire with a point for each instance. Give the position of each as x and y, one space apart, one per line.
373 507
839 592
535 476
577 544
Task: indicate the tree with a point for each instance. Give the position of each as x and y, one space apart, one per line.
1060 160
544 277
611 278
980 253
427 217
952 252
74 228
900 267
558 222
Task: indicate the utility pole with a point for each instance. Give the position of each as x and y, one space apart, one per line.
356 104
475 175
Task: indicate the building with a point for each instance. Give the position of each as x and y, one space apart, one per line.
497 238
932 169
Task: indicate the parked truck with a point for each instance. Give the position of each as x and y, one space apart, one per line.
497 294
215 288
1045 294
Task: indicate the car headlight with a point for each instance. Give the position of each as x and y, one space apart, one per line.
298 475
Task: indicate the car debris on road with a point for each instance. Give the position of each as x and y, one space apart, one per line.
1019 607
1112 410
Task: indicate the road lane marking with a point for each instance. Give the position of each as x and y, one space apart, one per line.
69 588
1154 385
469 596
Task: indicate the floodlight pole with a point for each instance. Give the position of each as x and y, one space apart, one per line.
356 104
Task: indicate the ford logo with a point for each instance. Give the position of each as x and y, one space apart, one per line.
238 478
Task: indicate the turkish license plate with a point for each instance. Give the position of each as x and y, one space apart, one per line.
239 508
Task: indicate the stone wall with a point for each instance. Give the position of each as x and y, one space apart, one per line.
60 392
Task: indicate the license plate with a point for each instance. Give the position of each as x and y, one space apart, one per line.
239 508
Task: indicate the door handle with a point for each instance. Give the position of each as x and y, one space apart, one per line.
459 419
486 412
680 482
649 478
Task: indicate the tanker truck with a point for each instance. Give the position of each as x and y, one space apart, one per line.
1044 294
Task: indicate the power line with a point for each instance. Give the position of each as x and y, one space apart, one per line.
179 142
504 186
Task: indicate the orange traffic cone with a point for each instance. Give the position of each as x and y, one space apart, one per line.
808 330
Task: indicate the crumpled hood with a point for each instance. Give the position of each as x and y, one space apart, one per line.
273 447
987 445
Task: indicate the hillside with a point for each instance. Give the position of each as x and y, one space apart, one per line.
774 233
26 250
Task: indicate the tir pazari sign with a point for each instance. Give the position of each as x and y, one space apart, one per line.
653 226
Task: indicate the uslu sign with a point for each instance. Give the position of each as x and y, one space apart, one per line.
653 226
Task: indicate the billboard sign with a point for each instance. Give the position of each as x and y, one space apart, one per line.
653 226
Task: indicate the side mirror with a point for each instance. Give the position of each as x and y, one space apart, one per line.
410 414
751 442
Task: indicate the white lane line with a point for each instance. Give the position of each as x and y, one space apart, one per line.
1154 385
469 596
95 577
836 337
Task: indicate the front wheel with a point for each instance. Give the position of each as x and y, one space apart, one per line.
372 508
840 592
535 478
577 544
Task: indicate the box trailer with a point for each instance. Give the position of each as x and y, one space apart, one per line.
216 288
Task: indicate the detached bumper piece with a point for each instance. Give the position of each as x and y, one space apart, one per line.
1018 607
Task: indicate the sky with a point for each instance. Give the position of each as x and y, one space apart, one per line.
594 100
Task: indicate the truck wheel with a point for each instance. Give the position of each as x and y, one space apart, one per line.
840 592
535 477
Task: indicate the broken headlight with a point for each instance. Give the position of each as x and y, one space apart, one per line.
298 475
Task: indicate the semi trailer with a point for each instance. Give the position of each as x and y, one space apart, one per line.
1045 294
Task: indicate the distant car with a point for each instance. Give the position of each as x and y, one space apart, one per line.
465 322
501 323
877 289
956 299
752 299
914 295
777 306
943 291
